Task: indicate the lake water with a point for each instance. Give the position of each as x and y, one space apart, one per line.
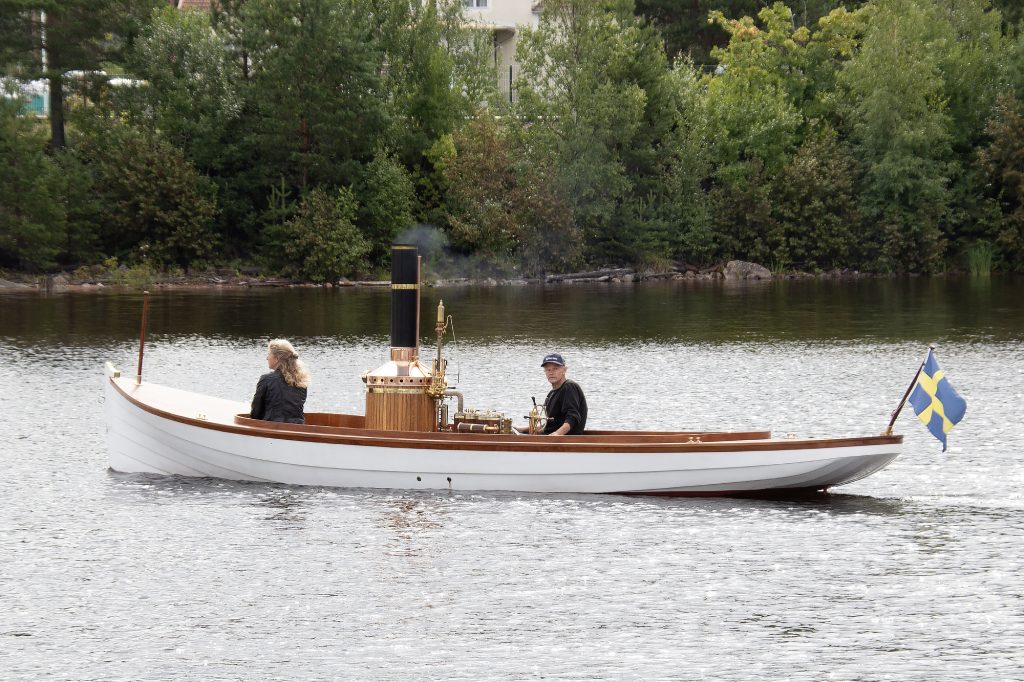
913 573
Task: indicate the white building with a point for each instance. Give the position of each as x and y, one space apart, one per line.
504 18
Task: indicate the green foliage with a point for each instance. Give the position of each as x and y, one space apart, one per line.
430 180
776 78
32 219
752 112
1001 164
189 94
140 276
1012 12
1013 65
387 196
595 101
81 36
829 134
688 32
979 259
903 132
316 66
688 206
971 58
742 216
152 202
815 208
321 242
506 211
84 211
436 71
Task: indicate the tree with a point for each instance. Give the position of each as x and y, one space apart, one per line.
688 205
972 61
435 71
504 210
595 95
752 99
815 213
321 242
386 197
190 96
688 32
153 203
1012 11
49 39
1001 164
314 88
902 132
32 220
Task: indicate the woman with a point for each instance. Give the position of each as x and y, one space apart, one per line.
281 393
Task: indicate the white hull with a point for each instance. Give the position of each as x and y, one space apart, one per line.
146 434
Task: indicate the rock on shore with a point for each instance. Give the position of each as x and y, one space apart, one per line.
739 269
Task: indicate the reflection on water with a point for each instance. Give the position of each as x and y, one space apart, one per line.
912 573
840 503
284 506
412 515
988 309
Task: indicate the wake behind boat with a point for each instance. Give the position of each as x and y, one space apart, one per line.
406 440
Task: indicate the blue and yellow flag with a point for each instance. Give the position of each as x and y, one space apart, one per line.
935 401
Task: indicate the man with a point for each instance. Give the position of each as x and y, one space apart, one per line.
565 405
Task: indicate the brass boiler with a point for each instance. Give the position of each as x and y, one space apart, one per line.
398 395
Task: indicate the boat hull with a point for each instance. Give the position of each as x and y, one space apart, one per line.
145 434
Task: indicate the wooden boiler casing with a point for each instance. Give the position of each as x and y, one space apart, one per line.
397 398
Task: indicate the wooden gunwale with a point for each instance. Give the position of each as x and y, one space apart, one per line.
496 443
351 423
588 437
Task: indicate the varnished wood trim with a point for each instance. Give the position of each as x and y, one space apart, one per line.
487 442
350 421
398 390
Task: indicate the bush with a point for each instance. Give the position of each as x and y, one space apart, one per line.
742 210
979 259
320 242
815 207
150 198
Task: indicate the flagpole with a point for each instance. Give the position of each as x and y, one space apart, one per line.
896 412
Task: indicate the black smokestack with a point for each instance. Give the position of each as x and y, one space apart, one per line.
405 296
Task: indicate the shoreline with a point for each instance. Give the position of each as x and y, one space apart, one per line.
734 271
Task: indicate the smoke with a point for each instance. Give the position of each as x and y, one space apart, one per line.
429 239
441 261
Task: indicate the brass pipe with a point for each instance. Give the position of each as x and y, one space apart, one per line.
456 394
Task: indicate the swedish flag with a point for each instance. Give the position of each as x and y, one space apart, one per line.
935 401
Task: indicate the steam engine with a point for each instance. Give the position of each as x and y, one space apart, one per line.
403 394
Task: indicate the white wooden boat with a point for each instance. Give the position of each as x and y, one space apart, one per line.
162 430
405 439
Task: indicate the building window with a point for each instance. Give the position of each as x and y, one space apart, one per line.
475 4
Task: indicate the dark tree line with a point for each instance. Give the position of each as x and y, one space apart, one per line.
303 136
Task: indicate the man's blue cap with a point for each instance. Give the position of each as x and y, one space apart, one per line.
553 358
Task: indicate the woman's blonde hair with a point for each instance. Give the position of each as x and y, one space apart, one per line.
292 369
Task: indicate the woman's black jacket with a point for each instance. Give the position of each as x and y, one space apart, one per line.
276 401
